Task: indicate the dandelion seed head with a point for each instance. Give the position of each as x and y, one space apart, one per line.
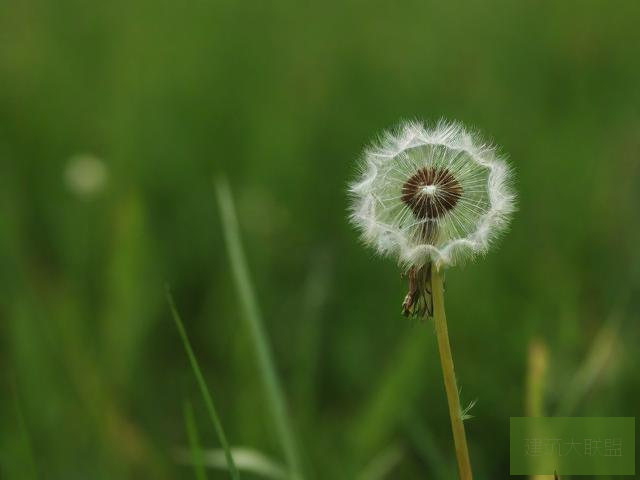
438 194
85 175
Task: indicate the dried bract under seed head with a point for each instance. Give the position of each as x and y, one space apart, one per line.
427 195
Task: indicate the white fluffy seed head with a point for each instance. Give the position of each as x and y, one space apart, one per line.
437 195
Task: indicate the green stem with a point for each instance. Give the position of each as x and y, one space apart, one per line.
455 412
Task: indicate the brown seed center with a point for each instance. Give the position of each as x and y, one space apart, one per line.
431 192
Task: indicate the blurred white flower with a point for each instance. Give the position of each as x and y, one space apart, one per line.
427 195
85 175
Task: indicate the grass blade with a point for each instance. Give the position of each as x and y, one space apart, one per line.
383 464
194 442
247 459
25 440
426 447
211 409
253 318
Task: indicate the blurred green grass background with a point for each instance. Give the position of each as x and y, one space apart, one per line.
281 97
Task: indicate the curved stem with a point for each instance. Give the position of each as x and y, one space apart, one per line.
455 412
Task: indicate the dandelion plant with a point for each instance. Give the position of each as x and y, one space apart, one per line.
432 198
